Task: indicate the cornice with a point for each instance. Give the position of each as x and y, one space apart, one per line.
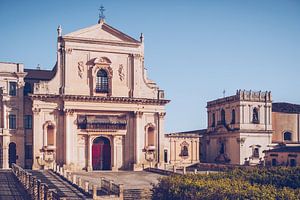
97 41
98 99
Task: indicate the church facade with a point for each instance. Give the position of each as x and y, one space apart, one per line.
96 110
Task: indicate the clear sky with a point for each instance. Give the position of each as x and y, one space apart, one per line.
194 49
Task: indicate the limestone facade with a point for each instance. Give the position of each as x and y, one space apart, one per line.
96 110
239 128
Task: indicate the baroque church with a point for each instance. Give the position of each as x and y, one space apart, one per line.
95 110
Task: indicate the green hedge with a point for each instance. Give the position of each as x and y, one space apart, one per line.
237 184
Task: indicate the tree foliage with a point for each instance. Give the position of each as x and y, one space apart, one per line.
275 183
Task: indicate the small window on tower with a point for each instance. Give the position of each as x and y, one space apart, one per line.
287 136
213 124
233 116
255 118
12 88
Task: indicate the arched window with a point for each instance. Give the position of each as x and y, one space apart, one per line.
256 152
213 123
184 150
150 137
287 136
233 116
102 81
222 148
223 119
50 135
255 118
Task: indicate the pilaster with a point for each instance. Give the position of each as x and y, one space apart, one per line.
37 137
137 144
161 138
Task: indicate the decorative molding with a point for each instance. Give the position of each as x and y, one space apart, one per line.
121 72
69 111
69 51
161 115
100 99
36 111
138 114
184 143
80 69
21 84
150 125
102 61
241 140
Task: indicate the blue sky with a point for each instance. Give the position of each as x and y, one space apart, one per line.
193 49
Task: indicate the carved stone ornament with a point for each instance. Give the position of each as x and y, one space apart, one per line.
69 50
121 72
69 111
80 69
36 111
102 61
138 114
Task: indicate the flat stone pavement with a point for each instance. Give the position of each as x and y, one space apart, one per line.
130 179
10 188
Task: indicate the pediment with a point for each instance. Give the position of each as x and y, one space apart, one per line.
101 32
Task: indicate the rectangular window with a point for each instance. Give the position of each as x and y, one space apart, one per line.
12 88
28 121
12 121
28 151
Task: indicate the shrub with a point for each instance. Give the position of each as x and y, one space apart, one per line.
255 183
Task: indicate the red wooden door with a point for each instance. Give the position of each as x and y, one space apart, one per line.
101 154
96 160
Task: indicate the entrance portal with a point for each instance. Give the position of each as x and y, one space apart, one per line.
12 153
101 154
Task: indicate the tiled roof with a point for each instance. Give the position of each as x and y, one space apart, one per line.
285 107
286 149
38 74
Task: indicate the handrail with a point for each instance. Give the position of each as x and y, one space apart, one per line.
34 187
84 185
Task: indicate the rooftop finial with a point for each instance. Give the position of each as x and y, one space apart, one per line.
59 30
142 37
101 14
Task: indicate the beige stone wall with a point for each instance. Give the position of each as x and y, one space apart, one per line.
285 122
178 155
282 158
12 104
239 139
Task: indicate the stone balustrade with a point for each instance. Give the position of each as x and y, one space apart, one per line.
34 187
108 186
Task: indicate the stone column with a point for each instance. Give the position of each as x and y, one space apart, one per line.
68 136
37 138
117 153
89 154
172 150
192 151
161 137
137 143
6 141
138 67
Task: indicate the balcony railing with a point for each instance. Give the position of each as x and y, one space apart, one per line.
113 126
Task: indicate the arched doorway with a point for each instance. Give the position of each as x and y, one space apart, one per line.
12 153
101 154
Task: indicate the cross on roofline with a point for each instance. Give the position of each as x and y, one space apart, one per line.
101 14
